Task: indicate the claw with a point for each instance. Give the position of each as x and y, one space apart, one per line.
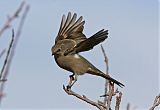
72 77
68 87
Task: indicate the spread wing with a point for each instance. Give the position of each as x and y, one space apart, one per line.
71 28
89 43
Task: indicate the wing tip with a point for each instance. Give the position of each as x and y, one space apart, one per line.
121 85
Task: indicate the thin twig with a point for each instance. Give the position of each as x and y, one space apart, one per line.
118 101
7 56
107 72
5 64
6 71
10 19
156 102
105 59
100 106
109 87
16 40
111 93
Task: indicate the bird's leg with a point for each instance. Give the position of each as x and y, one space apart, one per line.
74 80
71 78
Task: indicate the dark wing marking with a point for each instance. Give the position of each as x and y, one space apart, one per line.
89 43
60 29
69 26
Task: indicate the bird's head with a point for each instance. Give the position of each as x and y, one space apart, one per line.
57 49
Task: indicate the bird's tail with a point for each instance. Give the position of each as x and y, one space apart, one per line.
99 73
111 79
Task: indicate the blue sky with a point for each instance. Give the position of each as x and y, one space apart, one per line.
35 81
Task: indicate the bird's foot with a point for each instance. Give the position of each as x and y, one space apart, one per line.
71 77
68 87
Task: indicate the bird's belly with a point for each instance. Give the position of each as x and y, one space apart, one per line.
73 64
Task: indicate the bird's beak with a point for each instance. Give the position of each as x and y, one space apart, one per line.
54 52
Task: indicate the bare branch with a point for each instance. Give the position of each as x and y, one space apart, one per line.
156 102
105 59
7 57
10 19
10 58
4 66
16 40
100 106
109 93
118 101
107 72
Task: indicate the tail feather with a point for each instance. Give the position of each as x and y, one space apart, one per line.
95 71
111 79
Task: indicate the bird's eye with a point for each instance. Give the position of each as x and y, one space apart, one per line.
58 50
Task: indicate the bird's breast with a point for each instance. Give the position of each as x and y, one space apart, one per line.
72 63
76 56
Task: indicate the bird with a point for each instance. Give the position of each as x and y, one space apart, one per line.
70 41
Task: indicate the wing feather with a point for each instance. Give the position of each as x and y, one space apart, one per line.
66 23
69 26
61 26
89 43
71 23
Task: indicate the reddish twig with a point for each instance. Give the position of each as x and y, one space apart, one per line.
10 19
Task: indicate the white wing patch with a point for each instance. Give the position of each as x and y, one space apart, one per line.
76 56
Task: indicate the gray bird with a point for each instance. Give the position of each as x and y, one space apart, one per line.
70 41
